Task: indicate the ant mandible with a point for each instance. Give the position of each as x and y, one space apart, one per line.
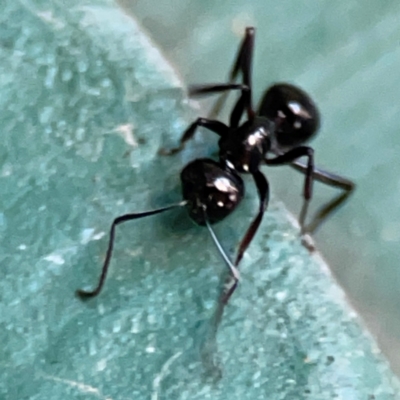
286 119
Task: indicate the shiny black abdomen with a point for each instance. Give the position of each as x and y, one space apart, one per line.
295 114
208 183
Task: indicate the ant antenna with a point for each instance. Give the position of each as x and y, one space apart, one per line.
83 294
233 269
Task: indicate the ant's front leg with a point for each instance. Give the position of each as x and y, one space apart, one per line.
263 194
86 294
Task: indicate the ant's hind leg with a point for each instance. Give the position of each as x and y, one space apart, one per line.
243 63
212 88
308 170
330 179
244 102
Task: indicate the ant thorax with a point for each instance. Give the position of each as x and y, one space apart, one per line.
245 149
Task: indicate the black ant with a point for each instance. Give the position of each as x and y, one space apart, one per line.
286 119
296 119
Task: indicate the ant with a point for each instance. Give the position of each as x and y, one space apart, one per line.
286 119
296 119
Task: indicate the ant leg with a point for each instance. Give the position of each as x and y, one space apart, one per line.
263 192
215 126
289 157
244 58
243 63
330 179
209 349
244 102
198 90
83 294
230 287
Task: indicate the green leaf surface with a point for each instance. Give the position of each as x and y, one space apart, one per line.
86 101
345 53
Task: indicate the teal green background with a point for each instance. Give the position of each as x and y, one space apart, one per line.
86 101
347 55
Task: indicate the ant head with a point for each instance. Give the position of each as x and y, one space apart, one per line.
295 114
207 184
